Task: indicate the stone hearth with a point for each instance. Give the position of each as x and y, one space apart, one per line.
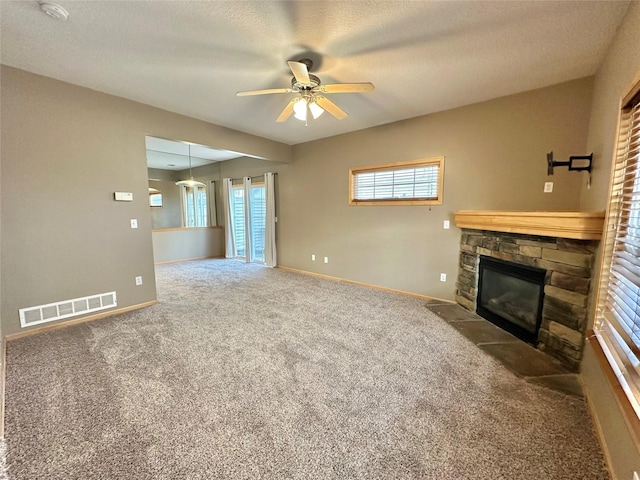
568 263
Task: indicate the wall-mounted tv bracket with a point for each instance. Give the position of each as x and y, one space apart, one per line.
576 163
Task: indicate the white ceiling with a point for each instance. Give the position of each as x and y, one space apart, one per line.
422 56
171 155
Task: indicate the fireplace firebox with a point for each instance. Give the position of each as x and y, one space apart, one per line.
511 296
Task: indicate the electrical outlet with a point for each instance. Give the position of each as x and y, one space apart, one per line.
134 223
138 280
446 224
326 259
548 187
443 277
313 257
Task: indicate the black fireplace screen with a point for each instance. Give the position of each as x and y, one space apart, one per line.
511 295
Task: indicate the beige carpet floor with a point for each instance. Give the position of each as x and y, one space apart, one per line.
246 372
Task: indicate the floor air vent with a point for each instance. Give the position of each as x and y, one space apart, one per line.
67 308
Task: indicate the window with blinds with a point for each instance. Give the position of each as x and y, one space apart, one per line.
617 326
415 182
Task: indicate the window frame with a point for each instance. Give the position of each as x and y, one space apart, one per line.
401 165
198 216
621 359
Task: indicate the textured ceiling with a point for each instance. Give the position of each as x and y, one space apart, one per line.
422 56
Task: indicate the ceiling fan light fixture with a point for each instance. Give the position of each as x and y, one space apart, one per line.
316 110
300 109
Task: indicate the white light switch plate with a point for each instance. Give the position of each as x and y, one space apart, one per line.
446 224
134 223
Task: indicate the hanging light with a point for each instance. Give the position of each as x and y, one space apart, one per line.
191 182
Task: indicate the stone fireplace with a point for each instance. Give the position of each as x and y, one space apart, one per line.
559 246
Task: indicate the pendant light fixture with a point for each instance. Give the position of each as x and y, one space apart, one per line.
191 182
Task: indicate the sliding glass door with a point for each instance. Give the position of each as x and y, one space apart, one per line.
249 221
258 220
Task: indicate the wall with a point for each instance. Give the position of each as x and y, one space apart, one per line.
619 71
495 159
65 150
172 245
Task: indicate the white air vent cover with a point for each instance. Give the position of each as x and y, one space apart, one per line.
67 308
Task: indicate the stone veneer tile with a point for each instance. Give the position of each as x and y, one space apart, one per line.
577 245
468 248
509 248
573 298
530 251
570 282
474 240
549 314
583 272
536 243
566 333
569 308
569 258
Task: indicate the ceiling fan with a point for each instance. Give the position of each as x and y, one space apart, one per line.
311 98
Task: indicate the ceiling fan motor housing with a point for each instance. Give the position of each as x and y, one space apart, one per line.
313 83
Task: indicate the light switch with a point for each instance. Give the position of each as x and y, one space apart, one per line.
134 223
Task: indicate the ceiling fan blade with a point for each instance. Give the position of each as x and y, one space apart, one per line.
331 107
264 92
286 113
347 87
300 71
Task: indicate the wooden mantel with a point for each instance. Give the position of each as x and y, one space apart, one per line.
578 225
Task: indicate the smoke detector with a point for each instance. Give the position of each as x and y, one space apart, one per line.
54 10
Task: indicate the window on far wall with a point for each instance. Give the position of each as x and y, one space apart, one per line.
617 325
155 199
194 206
414 182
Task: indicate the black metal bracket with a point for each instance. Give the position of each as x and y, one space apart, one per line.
576 163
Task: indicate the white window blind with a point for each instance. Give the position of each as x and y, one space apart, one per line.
413 182
617 325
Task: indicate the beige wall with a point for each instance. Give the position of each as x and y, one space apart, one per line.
65 151
170 214
495 159
619 71
174 245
